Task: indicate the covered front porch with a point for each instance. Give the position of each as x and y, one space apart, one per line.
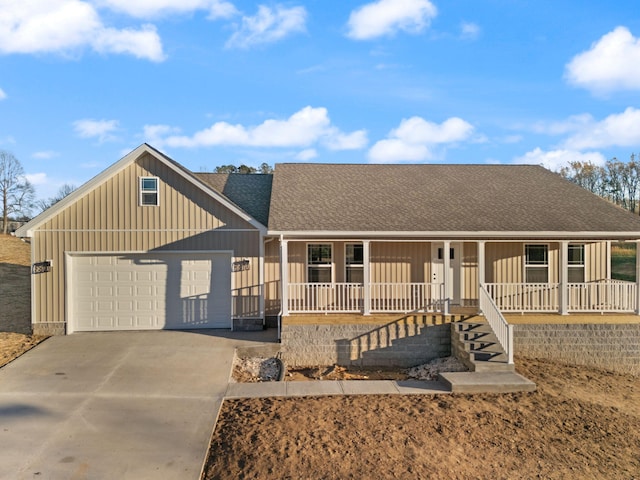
377 276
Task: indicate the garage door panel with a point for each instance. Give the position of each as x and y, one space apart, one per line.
151 291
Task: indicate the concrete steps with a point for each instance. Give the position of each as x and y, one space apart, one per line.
475 345
486 382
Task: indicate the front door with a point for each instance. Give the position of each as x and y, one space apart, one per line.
452 291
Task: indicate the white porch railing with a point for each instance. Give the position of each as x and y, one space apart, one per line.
349 297
603 296
501 328
524 297
325 297
406 297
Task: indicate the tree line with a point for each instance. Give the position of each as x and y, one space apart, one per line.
616 181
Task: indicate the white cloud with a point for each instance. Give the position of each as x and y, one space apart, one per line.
45 155
469 30
101 129
37 178
572 124
622 129
159 8
306 155
304 128
268 25
612 63
556 159
334 140
61 26
2 94
415 138
386 17
153 134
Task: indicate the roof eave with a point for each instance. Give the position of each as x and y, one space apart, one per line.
476 235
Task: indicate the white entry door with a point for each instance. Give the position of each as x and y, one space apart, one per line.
437 269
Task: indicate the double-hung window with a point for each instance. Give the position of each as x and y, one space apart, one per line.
319 263
354 263
149 191
576 263
536 263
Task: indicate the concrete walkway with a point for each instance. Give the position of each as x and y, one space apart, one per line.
125 405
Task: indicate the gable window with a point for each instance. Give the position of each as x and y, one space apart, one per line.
354 263
149 191
576 263
319 263
536 263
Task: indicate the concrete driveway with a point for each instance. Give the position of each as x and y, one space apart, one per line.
126 405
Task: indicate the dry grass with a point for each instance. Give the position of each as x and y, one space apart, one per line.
15 298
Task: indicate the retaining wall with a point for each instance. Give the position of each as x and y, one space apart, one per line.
390 345
614 347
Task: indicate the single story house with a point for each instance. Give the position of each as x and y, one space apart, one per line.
148 244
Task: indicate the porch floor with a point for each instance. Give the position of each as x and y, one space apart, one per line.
433 318
572 318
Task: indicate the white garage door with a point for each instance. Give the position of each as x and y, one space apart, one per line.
151 291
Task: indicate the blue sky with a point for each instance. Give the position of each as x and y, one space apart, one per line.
211 82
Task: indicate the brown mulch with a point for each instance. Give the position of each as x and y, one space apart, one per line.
580 423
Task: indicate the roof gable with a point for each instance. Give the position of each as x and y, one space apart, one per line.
436 198
125 162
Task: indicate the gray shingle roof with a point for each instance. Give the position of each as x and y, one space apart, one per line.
437 198
250 192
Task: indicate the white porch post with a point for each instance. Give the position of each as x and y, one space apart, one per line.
481 265
284 276
366 277
638 278
446 275
564 278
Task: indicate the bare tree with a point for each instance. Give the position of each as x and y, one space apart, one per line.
16 191
63 191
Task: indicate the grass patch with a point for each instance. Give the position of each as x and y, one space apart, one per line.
623 261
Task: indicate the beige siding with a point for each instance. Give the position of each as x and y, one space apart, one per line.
272 277
108 219
595 261
401 262
469 273
504 262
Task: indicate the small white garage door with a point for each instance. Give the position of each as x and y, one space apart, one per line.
150 291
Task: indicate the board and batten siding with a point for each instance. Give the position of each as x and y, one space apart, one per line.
109 219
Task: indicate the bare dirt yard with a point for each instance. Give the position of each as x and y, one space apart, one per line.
581 423
15 299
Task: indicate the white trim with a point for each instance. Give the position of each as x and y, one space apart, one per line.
461 235
141 191
525 264
583 265
608 264
345 244
306 261
284 277
118 230
27 229
366 275
563 276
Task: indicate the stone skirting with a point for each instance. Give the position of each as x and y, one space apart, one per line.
399 344
614 347
49 329
247 324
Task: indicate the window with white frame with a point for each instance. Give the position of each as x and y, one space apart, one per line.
319 263
575 259
149 191
536 263
354 263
